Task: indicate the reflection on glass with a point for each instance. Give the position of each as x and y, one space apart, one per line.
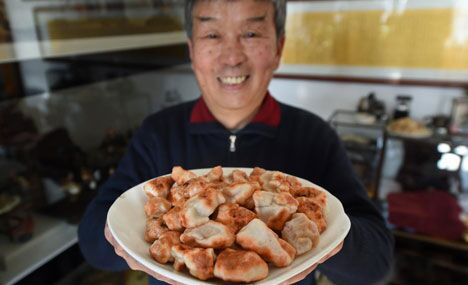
449 161
46 28
443 147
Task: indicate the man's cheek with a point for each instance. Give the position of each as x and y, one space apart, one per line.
264 54
210 50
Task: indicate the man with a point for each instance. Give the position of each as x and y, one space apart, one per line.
235 46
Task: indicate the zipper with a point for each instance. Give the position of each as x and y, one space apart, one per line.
232 145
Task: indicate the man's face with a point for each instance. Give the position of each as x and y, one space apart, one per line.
234 52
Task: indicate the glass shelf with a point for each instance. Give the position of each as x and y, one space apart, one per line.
457 245
51 237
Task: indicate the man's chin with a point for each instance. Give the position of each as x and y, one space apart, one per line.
234 106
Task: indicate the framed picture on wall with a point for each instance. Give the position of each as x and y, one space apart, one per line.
85 28
459 117
415 41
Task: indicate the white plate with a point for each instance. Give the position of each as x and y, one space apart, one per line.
126 220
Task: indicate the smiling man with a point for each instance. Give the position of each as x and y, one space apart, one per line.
234 50
235 47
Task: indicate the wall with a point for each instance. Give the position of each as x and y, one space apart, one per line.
323 98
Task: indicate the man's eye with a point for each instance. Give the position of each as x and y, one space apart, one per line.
250 35
212 36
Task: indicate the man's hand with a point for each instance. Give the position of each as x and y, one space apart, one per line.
306 272
132 263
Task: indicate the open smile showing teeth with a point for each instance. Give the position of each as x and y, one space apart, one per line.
232 80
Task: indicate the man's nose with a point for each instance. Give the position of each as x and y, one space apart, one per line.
233 53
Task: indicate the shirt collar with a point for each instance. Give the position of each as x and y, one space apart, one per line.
269 113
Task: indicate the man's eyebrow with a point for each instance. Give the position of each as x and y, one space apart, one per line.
257 19
205 18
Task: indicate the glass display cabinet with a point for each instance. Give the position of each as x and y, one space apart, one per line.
412 165
363 136
76 78
423 168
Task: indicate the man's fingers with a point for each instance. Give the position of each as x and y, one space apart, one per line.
108 235
300 276
132 263
164 279
332 253
306 272
120 252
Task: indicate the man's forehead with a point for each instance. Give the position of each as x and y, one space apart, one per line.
204 15
196 1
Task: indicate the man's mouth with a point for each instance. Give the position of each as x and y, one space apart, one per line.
233 80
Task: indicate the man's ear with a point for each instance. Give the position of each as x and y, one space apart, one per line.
279 50
190 46
281 42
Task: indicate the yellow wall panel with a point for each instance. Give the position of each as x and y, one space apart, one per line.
412 38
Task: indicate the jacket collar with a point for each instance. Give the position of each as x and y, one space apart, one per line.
265 121
269 113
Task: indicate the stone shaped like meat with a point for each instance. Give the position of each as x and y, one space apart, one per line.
199 261
160 250
240 266
181 176
318 196
155 207
214 175
196 210
234 216
172 219
158 187
301 233
154 228
256 236
313 211
239 192
274 208
208 235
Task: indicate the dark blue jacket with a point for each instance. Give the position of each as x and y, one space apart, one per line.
280 137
